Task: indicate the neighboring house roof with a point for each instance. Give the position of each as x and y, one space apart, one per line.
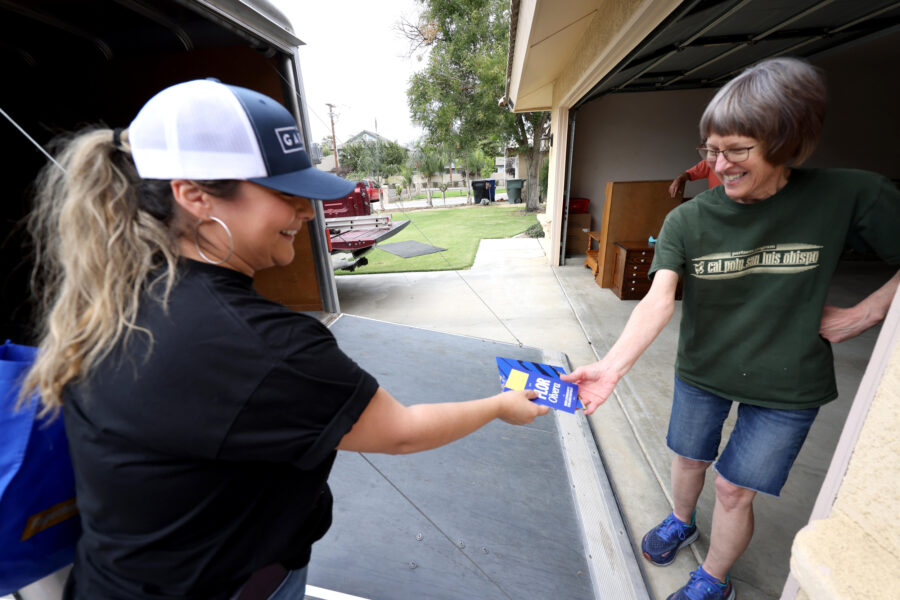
365 136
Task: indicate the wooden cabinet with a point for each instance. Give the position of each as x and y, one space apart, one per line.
634 210
630 266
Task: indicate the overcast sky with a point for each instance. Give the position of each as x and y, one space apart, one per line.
355 59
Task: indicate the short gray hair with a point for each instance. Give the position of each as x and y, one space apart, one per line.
780 102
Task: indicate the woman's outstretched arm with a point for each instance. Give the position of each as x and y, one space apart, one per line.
389 427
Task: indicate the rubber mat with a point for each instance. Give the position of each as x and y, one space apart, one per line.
409 248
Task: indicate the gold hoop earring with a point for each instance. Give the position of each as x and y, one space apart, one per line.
197 241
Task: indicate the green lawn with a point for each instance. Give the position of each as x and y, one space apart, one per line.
458 229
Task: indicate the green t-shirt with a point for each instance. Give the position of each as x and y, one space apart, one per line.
756 277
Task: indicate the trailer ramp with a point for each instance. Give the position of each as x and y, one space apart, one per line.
493 516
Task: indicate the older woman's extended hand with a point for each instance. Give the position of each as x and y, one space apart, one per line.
595 383
597 380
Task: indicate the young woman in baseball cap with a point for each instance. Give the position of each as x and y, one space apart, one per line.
203 419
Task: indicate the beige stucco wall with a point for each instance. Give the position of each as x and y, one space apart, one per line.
854 552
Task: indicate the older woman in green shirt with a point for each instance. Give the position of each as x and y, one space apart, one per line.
757 255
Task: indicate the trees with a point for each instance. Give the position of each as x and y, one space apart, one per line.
406 179
544 178
392 157
430 165
455 97
354 159
532 129
372 159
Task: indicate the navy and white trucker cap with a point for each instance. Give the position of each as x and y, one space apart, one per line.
207 130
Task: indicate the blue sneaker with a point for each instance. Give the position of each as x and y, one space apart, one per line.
703 586
663 541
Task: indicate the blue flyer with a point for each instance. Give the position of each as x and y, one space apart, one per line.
544 379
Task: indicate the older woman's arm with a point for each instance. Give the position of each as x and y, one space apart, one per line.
839 324
596 381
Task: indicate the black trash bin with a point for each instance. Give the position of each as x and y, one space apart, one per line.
514 190
480 190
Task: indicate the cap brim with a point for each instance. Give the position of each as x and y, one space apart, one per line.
309 183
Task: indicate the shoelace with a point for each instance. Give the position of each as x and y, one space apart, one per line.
672 526
699 588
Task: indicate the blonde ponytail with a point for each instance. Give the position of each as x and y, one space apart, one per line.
102 239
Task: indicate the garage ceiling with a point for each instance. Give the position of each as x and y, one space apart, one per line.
706 42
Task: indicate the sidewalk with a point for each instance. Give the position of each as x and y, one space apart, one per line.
436 200
511 294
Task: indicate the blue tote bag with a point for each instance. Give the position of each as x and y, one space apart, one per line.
39 523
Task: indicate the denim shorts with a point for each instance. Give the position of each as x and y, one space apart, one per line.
761 450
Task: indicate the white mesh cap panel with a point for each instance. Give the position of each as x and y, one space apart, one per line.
195 130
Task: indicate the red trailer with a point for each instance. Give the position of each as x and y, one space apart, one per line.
352 228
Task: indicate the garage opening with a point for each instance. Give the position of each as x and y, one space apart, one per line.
639 125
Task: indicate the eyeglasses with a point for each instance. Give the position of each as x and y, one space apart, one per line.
735 155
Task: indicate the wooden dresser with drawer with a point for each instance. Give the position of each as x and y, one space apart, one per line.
630 266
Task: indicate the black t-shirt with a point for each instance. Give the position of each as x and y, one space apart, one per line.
204 456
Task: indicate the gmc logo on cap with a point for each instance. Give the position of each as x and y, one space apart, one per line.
290 140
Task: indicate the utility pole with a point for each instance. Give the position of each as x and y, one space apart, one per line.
337 162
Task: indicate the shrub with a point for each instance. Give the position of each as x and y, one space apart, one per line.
535 231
